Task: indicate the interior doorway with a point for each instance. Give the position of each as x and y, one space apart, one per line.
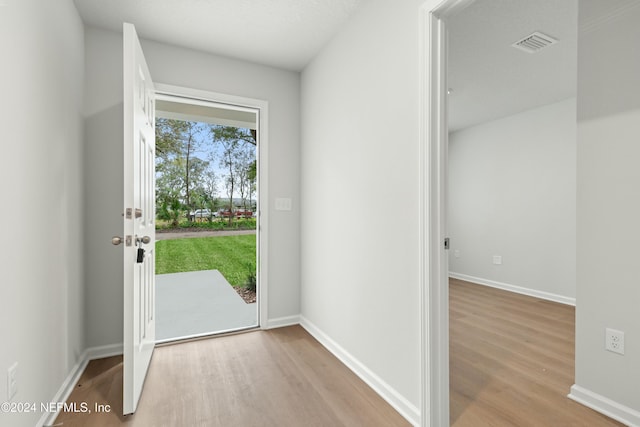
435 101
469 111
208 214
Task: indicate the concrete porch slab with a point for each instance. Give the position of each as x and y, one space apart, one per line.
199 303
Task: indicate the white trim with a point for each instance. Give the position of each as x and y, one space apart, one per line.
517 289
262 108
205 335
605 406
103 351
424 221
395 399
433 134
48 418
69 384
433 271
281 322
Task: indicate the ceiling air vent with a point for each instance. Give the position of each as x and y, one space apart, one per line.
535 42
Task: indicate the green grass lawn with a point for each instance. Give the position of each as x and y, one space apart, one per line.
233 256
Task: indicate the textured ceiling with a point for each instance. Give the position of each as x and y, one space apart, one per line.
280 33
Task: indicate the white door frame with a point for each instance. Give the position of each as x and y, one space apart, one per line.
262 227
434 263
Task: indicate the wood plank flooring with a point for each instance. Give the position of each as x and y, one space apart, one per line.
512 364
280 377
512 361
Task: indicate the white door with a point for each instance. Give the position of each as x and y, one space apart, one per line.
139 219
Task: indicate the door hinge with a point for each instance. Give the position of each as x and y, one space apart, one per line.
128 213
446 243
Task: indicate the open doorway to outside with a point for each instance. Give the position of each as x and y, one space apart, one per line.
207 197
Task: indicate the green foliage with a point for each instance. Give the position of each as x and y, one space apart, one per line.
251 281
252 173
169 137
180 173
228 133
170 210
185 177
231 255
204 225
215 224
237 160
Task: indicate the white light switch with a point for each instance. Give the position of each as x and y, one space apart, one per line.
283 204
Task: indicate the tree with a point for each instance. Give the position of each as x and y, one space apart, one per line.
190 144
186 180
210 181
228 133
168 137
238 156
243 162
170 210
228 161
179 171
252 176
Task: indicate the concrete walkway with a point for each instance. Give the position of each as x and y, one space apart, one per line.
167 235
199 303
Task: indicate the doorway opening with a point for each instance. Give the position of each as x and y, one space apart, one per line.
207 209
443 94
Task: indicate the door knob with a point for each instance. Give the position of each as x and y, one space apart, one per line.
143 239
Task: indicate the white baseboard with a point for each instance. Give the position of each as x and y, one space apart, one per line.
49 418
605 406
282 322
395 399
517 289
104 351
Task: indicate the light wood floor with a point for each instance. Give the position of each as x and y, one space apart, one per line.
512 361
512 364
282 377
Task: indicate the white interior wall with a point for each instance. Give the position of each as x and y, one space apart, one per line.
512 193
359 169
192 69
41 82
608 209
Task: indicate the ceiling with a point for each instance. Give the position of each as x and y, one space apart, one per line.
489 78
281 33
176 108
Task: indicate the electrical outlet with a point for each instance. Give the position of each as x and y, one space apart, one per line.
614 341
12 381
497 259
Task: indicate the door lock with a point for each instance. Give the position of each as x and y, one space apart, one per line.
141 252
